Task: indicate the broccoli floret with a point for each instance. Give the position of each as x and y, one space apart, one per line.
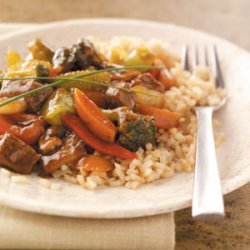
137 133
42 71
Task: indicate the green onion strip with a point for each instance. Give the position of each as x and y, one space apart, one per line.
61 80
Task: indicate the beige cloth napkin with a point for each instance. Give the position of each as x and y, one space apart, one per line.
22 230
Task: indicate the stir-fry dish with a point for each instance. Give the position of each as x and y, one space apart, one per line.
100 113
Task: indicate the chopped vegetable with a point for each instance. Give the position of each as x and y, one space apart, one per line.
40 51
137 133
26 127
42 71
17 106
59 102
19 72
148 81
166 79
125 75
71 91
163 118
60 81
155 72
39 67
140 56
162 52
95 163
93 117
29 68
119 115
148 96
117 56
103 147
102 78
13 60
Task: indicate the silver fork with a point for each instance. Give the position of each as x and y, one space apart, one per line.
207 195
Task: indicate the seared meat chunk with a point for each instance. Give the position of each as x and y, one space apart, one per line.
17 155
80 56
63 59
148 81
13 88
117 97
72 150
48 144
86 55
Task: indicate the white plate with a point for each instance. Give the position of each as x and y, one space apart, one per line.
168 194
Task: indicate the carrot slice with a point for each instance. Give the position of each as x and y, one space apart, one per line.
95 163
163 118
85 134
94 119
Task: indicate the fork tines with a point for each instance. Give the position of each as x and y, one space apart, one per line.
207 56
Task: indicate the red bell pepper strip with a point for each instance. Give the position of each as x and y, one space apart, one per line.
85 134
26 127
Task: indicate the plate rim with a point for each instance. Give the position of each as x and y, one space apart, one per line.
238 180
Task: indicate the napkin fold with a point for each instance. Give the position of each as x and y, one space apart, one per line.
23 230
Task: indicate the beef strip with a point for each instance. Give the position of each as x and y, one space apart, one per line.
116 97
81 55
148 81
12 88
17 155
86 55
72 150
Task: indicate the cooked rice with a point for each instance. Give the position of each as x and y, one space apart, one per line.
176 147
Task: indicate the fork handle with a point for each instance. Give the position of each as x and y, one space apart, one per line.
207 195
